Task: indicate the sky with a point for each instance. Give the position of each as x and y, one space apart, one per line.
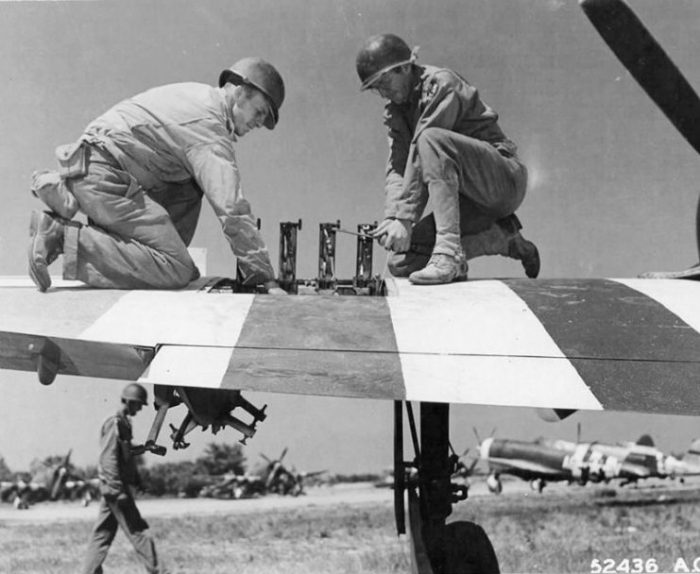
613 186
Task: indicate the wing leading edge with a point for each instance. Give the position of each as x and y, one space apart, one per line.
567 344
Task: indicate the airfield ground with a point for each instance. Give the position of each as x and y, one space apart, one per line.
346 529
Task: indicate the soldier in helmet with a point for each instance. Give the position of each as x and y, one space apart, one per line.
446 145
118 477
138 173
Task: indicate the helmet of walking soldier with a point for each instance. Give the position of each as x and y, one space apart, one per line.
378 55
135 392
262 76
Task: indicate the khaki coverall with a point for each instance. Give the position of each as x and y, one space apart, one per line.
118 476
446 144
150 159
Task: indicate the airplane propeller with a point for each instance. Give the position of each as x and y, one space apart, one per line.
648 63
651 67
60 476
478 438
278 460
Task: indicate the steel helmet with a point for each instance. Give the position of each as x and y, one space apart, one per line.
135 392
379 54
261 75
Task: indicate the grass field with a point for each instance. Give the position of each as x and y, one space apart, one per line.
562 531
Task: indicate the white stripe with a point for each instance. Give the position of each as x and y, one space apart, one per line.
169 317
500 381
478 342
188 366
680 296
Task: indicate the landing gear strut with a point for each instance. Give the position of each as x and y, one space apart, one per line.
437 547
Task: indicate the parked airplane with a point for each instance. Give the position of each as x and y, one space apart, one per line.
235 486
279 479
50 481
597 344
544 460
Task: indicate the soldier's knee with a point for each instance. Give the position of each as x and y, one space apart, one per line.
432 141
177 274
185 275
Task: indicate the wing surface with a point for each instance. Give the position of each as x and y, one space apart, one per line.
587 344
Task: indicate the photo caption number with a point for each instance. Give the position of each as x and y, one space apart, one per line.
625 566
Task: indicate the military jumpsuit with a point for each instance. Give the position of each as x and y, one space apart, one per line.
118 476
150 160
445 144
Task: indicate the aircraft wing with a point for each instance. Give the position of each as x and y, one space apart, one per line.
588 344
523 466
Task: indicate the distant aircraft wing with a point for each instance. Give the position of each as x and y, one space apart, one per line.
588 344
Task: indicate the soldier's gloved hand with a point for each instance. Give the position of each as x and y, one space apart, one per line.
394 234
273 288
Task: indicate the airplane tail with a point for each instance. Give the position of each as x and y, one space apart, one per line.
692 455
645 440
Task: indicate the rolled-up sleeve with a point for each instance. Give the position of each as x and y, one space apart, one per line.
215 169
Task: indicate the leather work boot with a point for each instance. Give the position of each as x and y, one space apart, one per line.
441 268
45 245
526 251
48 187
519 247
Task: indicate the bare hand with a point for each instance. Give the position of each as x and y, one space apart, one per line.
394 234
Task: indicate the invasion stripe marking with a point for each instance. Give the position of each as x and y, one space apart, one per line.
681 297
187 366
172 317
632 351
340 346
58 313
477 342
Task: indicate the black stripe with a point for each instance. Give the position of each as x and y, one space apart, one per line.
338 346
630 350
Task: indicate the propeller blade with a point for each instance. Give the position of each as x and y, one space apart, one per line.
646 60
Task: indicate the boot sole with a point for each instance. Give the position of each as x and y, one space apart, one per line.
692 273
457 279
37 272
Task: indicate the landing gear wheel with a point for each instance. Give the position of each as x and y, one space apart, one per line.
468 550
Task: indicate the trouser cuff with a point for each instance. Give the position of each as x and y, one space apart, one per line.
447 244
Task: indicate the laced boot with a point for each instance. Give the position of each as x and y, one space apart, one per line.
49 188
504 238
45 245
526 251
441 268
